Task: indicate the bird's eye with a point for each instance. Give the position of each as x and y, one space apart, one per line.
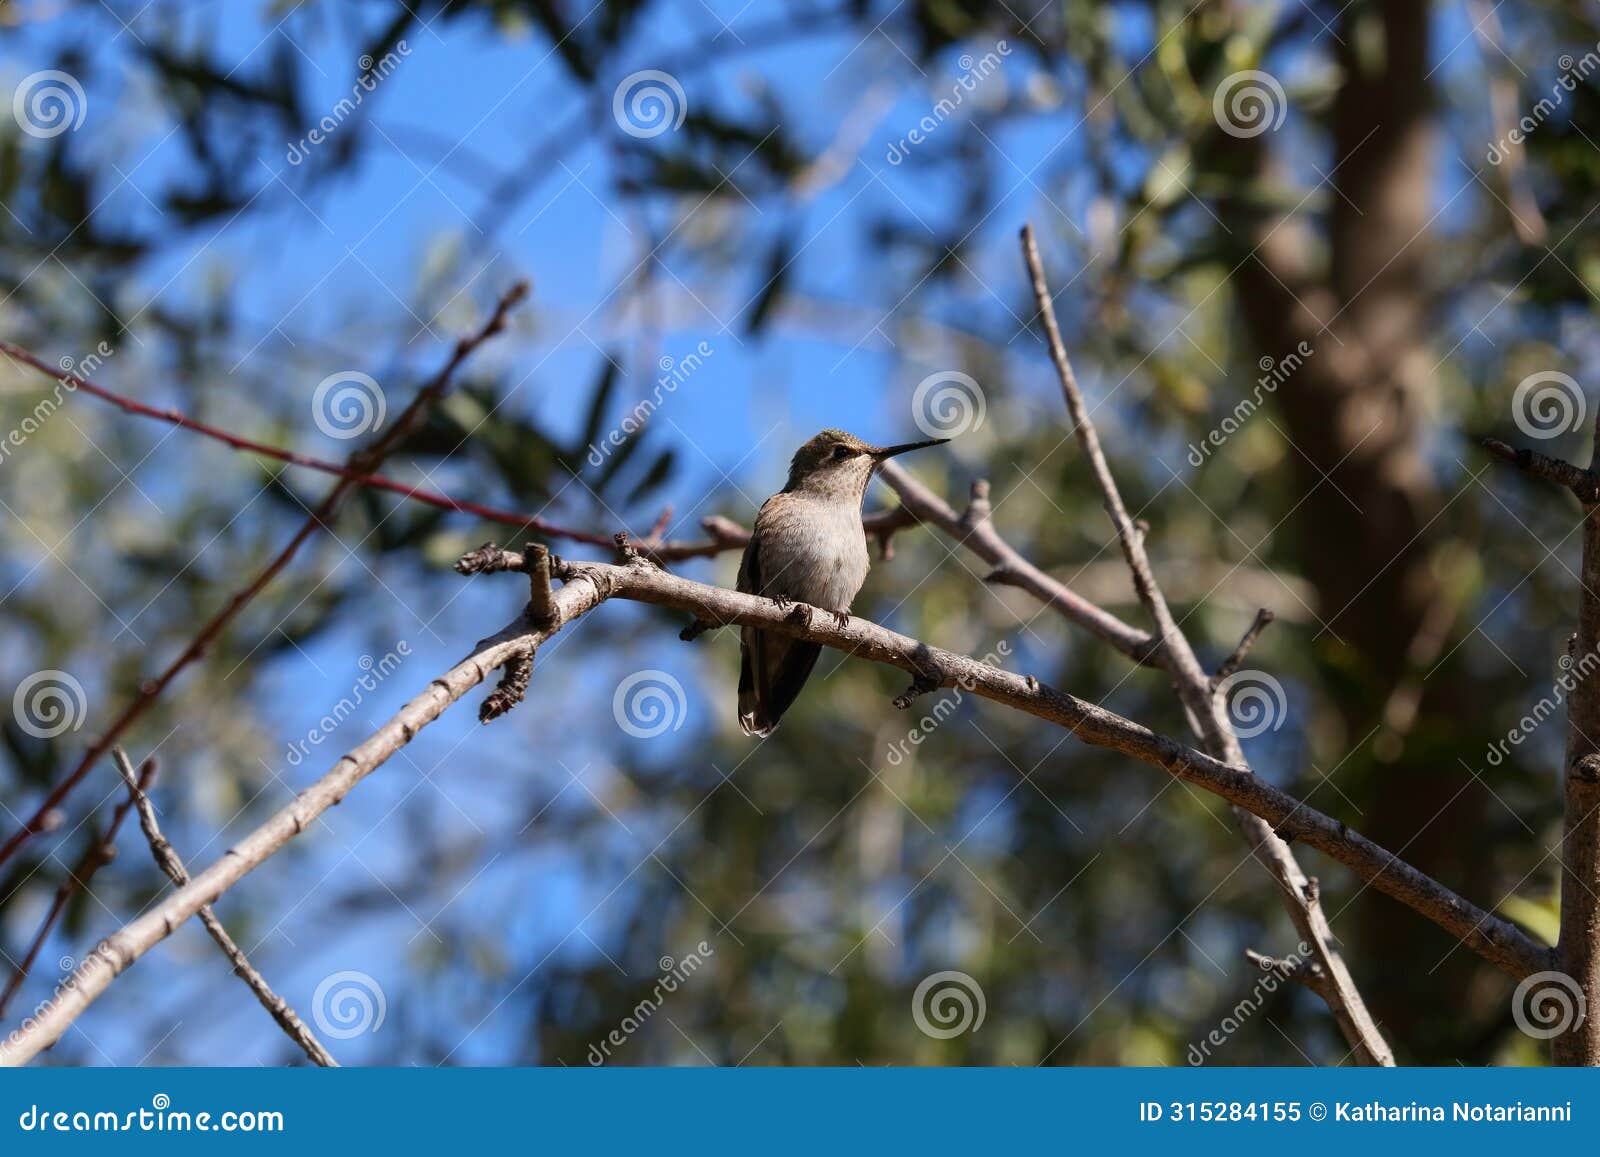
840 453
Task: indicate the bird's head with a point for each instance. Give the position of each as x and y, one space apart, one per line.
838 464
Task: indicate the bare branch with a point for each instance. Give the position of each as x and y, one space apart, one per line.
1252 633
1293 968
1195 690
364 461
1579 943
167 860
976 532
587 585
1584 483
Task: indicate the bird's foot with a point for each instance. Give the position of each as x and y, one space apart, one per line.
784 602
841 619
695 629
928 678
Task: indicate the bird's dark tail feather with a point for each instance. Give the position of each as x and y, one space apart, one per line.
772 671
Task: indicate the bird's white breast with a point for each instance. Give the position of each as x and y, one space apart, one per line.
814 551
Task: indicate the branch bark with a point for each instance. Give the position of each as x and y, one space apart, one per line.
586 586
1578 947
1579 944
722 534
1205 708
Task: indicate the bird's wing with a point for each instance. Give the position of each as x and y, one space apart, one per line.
772 668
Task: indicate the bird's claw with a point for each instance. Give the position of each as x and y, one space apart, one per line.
841 619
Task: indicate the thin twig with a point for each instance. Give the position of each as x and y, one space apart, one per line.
976 532
1198 695
364 461
1578 945
1248 640
1584 483
587 585
722 535
167 860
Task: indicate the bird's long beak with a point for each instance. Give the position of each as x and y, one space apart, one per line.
883 453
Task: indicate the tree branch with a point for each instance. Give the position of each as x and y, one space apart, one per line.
363 461
1584 483
1231 664
586 586
1578 947
1207 714
167 860
975 530
722 534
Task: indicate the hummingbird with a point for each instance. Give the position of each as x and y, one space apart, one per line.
808 546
